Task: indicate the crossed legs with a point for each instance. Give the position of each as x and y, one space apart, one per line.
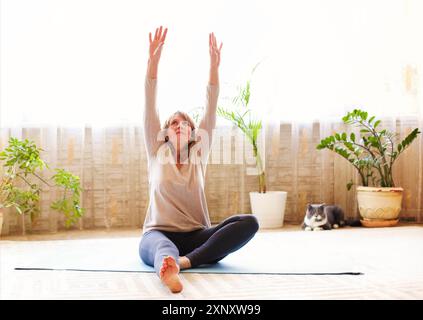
168 252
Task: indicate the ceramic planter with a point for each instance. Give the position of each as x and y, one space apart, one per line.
269 208
379 207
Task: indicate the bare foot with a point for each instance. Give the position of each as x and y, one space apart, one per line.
169 274
184 262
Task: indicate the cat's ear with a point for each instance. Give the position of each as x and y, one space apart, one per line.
322 205
309 207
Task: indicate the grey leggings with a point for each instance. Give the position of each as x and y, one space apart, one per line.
204 246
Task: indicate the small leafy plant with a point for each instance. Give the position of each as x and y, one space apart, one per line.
20 186
69 204
22 160
373 153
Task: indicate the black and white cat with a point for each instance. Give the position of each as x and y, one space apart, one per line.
323 217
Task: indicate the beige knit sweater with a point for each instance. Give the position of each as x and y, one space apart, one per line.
177 201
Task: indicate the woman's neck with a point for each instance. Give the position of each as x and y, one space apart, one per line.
181 152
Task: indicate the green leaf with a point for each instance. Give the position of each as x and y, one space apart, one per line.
341 151
320 146
376 124
349 145
410 138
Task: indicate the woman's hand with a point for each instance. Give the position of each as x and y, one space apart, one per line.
214 51
156 44
214 59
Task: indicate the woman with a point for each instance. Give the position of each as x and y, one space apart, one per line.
177 233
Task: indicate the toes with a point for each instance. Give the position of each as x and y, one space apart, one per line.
169 260
166 264
171 263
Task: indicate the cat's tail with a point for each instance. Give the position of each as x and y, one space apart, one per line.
353 223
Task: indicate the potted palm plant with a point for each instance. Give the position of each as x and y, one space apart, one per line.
21 182
267 206
373 153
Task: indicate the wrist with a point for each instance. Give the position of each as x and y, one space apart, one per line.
214 67
153 62
152 69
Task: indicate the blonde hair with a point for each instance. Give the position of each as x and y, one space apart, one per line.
186 118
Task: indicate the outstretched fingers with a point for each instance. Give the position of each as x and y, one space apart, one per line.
213 43
163 38
157 41
210 44
160 34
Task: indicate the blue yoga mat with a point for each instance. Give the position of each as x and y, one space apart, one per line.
267 253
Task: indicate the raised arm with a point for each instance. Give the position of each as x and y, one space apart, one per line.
208 122
214 59
151 120
155 51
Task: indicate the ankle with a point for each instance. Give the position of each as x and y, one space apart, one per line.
184 262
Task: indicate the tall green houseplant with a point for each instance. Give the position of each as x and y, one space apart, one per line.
251 127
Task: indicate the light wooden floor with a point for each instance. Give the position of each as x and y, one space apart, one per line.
391 258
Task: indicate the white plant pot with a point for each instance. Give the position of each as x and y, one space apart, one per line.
269 208
379 204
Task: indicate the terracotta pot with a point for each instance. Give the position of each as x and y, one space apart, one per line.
379 207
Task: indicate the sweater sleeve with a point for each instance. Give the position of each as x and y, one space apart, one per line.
151 121
208 122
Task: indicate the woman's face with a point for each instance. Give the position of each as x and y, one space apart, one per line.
180 130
